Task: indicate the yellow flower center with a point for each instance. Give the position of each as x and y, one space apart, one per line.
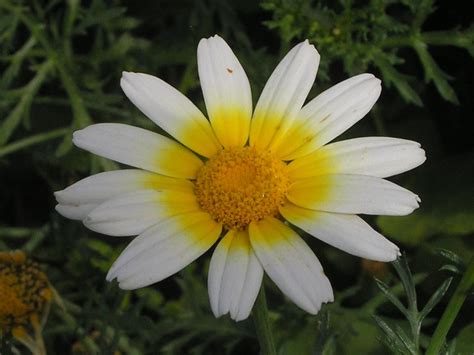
24 290
241 185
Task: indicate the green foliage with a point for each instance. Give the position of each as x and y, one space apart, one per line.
371 34
47 59
398 340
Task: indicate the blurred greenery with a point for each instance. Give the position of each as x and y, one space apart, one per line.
61 63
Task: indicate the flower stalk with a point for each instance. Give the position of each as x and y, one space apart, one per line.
262 324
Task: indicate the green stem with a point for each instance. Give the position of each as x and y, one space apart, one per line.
262 325
29 141
452 310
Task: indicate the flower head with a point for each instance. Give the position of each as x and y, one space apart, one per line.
24 292
237 176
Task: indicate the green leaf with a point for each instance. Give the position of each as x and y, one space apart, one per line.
15 116
410 346
393 77
463 39
32 140
16 61
65 146
392 340
450 268
403 270
435 298
434 73
392 298
451 256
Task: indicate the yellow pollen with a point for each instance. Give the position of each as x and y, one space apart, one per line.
241 185
24 291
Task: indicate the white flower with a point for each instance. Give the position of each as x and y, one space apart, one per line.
239 176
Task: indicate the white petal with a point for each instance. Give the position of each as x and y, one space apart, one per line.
164 249
374 156
349 233
291 264
132 213
330 114
226 91
352 194
79 199
103 186
235 276
139 148
283 96
170 110
77 212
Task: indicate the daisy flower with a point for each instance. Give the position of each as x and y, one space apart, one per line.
242 179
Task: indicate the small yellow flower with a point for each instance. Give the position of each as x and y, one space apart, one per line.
241 175
24 292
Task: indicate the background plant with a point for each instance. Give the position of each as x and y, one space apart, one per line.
61 63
